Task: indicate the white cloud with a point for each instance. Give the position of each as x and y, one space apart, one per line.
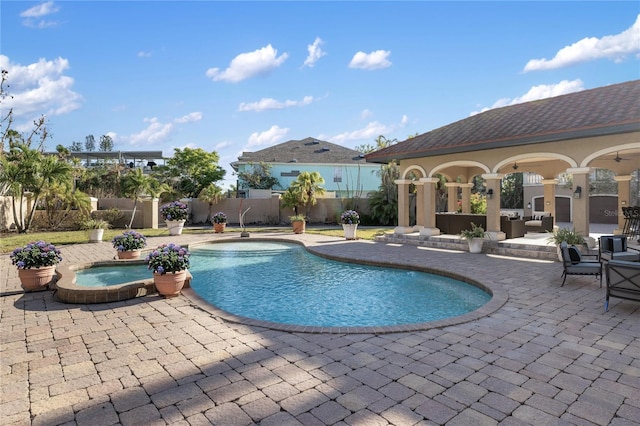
40 10
365 114
371 131
247 65
143 54
315 53
32 15
222 145
267 138
270 103
372 61
189 118
40 88
615 47
155 132
541 91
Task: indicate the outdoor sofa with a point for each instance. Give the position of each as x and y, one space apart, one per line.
542 222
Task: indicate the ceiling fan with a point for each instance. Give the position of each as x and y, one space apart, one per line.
618 159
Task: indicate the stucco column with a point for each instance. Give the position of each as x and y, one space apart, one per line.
429 206
466 197
150 213
420 219
580 211
549 186
403 207
624 193
452 196
492 181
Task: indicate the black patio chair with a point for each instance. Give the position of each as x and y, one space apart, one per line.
623 281
575 263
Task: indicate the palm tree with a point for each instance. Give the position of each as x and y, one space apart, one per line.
211 194
27 173
134 185
308 185
291 199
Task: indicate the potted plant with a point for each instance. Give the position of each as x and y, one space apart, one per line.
298 223
36 263
175 215
129 244
219 222
95 227
475 237
570 235
350 220
169 263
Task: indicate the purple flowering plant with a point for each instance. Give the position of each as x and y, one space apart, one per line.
35 255
175 210
349 217
129 240
219 217
168 258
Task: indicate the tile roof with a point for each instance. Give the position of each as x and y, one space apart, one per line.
308 150
605 110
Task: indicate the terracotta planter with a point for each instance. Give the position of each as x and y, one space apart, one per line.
350 231
298 227
170 284
175 226
219 227
129 254
36 279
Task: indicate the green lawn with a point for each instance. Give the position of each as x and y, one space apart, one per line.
10 241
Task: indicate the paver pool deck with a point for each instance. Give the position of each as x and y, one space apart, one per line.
547 355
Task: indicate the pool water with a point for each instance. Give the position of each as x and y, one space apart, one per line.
283 283
104 276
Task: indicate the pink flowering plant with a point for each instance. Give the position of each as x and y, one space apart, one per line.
35 255
350 217
168 258
129 240
175 210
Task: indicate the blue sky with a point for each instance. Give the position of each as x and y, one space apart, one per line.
242 76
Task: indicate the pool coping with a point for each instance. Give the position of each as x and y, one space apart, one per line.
499 297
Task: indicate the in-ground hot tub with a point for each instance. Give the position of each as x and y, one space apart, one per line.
68 290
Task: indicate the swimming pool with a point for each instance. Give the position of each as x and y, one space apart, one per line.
283 283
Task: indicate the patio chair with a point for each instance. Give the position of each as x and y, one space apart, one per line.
614 247
575 263
623 281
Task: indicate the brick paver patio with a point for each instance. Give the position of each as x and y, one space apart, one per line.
547 355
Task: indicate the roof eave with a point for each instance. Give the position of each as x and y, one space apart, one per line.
494 144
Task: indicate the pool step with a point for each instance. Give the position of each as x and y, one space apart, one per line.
448 242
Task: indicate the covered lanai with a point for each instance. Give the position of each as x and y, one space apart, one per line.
574 134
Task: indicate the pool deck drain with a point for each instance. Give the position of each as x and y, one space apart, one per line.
548 355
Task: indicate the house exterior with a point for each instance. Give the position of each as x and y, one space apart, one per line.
345 171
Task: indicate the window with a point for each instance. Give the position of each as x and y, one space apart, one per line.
337 174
